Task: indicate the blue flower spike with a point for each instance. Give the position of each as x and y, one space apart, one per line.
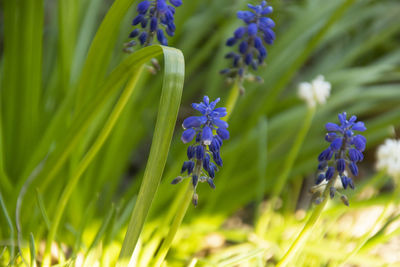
250 40
206 133
155 19
344 152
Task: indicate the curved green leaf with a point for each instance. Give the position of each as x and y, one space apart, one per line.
166 118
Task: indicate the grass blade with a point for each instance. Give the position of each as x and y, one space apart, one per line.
22 80
10 225
101 50
102 228
42 208
32 250
166 119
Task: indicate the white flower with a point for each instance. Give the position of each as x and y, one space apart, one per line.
388 156
315 92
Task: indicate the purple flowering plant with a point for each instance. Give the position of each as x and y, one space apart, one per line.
251 40
208 132
344 152
155 19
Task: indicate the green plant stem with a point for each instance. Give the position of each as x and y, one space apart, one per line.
86 161
102 229
159 233
379 238
286 169
232 98
181 211
180 214
42 208
32 249
241 258
294 151
10 225
193 262
4 179
308 227
363 240
262 162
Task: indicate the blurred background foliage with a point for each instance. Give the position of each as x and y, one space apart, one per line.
353 43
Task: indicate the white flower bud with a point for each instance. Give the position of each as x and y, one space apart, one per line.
388 157
316 92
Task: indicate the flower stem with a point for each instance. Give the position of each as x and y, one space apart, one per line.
286 169
308 227
232 98
294 151
180 214
10 225
363 240
85 163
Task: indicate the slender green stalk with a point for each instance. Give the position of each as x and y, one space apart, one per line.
361 242
88 215
286 169
86 161
4 179
159 233
102 229
10 225
308 227
42 208
32 250
241 258
68 25
87 28
294 151
367 235
180 214
232 98
262 163
20 199
193 262
379 238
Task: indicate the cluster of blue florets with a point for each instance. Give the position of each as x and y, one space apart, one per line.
153 17
344 152
251 40
208 132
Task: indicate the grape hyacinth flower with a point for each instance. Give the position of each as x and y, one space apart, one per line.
208 132
152 18
345 150
250 40
316 92
388 156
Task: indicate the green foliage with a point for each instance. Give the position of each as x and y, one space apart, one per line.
83 147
